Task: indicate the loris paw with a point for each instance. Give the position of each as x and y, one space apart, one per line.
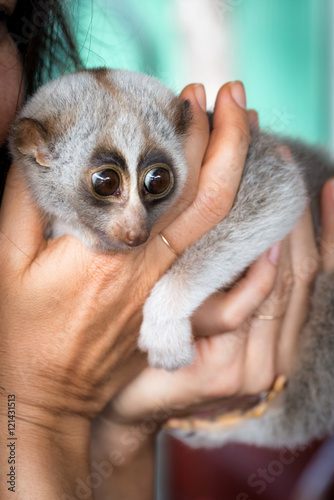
168 344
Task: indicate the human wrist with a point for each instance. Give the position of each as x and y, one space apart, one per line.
129 440
42 460
123 455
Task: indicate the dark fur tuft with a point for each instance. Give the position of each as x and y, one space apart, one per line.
182 116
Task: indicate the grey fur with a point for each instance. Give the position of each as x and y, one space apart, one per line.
307 409
135 115
80 112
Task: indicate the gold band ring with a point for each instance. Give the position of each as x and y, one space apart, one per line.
164 239
267 316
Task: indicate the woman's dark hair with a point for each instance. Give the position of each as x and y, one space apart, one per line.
44 38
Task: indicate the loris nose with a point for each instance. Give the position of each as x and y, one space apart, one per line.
134 239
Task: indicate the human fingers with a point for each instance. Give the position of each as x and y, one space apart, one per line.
220 370
21 228
223 312
236 363
265 289
327 224
304 262
264 331
220 174
214 374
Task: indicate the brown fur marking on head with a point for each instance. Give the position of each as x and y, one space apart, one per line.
182 115
101 75
30 139
60 122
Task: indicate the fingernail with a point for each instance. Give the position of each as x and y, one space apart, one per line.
200 95
238 94
274 253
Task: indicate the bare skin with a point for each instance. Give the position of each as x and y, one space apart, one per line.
11 74
90 307
69 318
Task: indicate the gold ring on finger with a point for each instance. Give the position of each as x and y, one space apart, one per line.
164 239
267 317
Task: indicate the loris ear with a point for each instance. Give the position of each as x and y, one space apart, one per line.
30 139
182 115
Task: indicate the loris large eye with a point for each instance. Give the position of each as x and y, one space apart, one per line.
158 180
106 182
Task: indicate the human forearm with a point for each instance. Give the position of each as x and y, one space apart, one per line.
49 461
123 457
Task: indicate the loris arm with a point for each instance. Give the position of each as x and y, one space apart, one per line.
270 200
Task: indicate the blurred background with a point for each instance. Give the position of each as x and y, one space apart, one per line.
283 52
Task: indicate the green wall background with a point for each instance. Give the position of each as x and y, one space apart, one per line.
281 51
131 34
283 57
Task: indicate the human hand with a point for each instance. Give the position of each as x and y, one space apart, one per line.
77 327
248 342
237 354
242 361
240 358
234 364
69 317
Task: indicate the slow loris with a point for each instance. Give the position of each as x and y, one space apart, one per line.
103 153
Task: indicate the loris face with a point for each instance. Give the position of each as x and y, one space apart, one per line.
103 154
